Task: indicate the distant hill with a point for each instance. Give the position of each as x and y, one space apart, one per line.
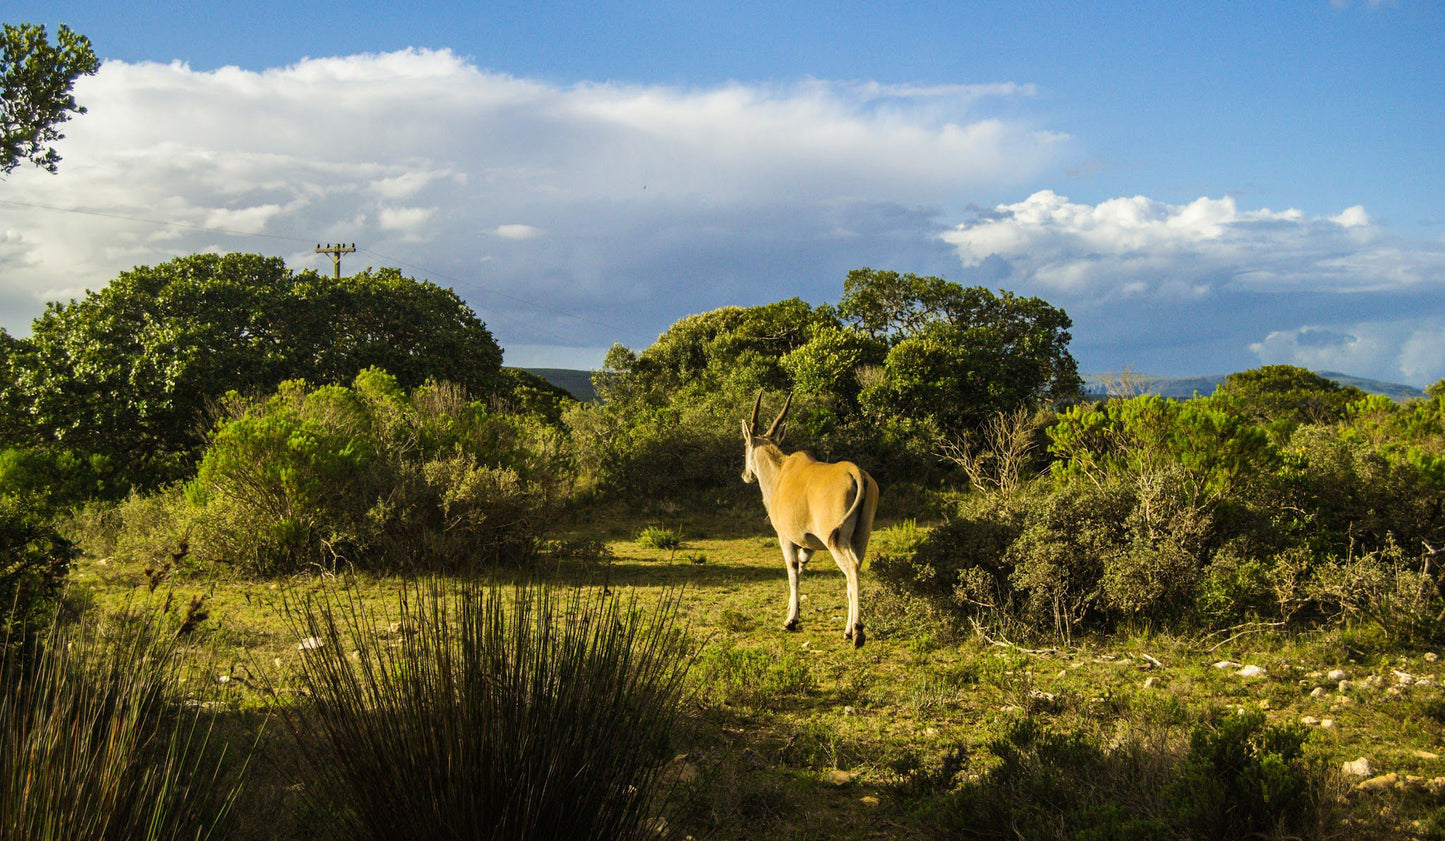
1183 388
576 383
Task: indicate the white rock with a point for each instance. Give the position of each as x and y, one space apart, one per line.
1251 671
1336 675
1344 686
1151 683
838 778
1327 723
1361 767
1226 664
1319 692
1431 657
1309 721
310 644
1404 678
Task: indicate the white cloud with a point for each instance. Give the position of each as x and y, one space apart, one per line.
517 232
1235 285
656 200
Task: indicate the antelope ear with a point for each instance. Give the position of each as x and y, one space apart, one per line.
780 434
747 433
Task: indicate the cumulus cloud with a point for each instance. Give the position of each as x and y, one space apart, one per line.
1211 283
656 201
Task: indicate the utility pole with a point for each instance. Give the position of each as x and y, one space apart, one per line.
336 251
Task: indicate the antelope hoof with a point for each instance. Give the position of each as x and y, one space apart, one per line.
858 636
791 625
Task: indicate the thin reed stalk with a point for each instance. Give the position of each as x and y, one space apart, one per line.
94 743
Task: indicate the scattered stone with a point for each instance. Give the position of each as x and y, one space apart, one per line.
1431 657
806 644
1319 692
1375 681
310 644
1403 678
930 731
1226 664
1251 671
1425 754
1344 686
1435 786
1042 696
1425 681
1309 721
1327 723
1380 783
1361 767
1315 675
1393 690
868 800
103 562
1336 675
276 661
837 778
847 711
1151 683
223 679
1264 703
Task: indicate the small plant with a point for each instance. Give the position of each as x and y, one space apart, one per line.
698 558
660 538
750 677
94 742
734 620
525 713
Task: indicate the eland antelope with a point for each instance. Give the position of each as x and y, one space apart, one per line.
812 505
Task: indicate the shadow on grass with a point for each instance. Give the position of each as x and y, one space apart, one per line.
636 572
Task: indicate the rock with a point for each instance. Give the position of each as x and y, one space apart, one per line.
1309 721
1327 723
1435 786
1375 680
837 778
1251 671
1151 683
847 711
310 644
1431 657
1319 692
1361 767
1425 754
1226 664
1380 783
1344 686
868 800
1336 675
1264 704
1393 690
1403 678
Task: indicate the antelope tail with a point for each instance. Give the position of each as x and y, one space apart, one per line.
860 494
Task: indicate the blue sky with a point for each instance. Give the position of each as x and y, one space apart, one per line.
1204 187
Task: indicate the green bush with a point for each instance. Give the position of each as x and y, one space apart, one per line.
493 714
34 563
373 477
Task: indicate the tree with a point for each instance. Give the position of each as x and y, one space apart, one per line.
134 370
958 356
36 80
1284 396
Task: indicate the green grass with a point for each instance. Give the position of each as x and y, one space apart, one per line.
777 716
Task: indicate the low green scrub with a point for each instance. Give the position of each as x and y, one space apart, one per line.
34 563
490 714
1239 777
1184 513
369 476
751 677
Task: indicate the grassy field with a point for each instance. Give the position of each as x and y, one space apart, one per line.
798 735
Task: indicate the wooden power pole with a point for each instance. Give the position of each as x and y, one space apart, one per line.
336 251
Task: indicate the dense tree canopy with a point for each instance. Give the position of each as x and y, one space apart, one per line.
1285 396
36 80
130 370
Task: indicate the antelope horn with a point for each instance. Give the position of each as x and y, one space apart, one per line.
757 404
772 430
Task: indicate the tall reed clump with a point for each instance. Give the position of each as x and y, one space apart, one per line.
95 744
480 712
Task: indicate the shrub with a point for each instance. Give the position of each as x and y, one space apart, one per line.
375 477
528 714
34 563
94 743
660 538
